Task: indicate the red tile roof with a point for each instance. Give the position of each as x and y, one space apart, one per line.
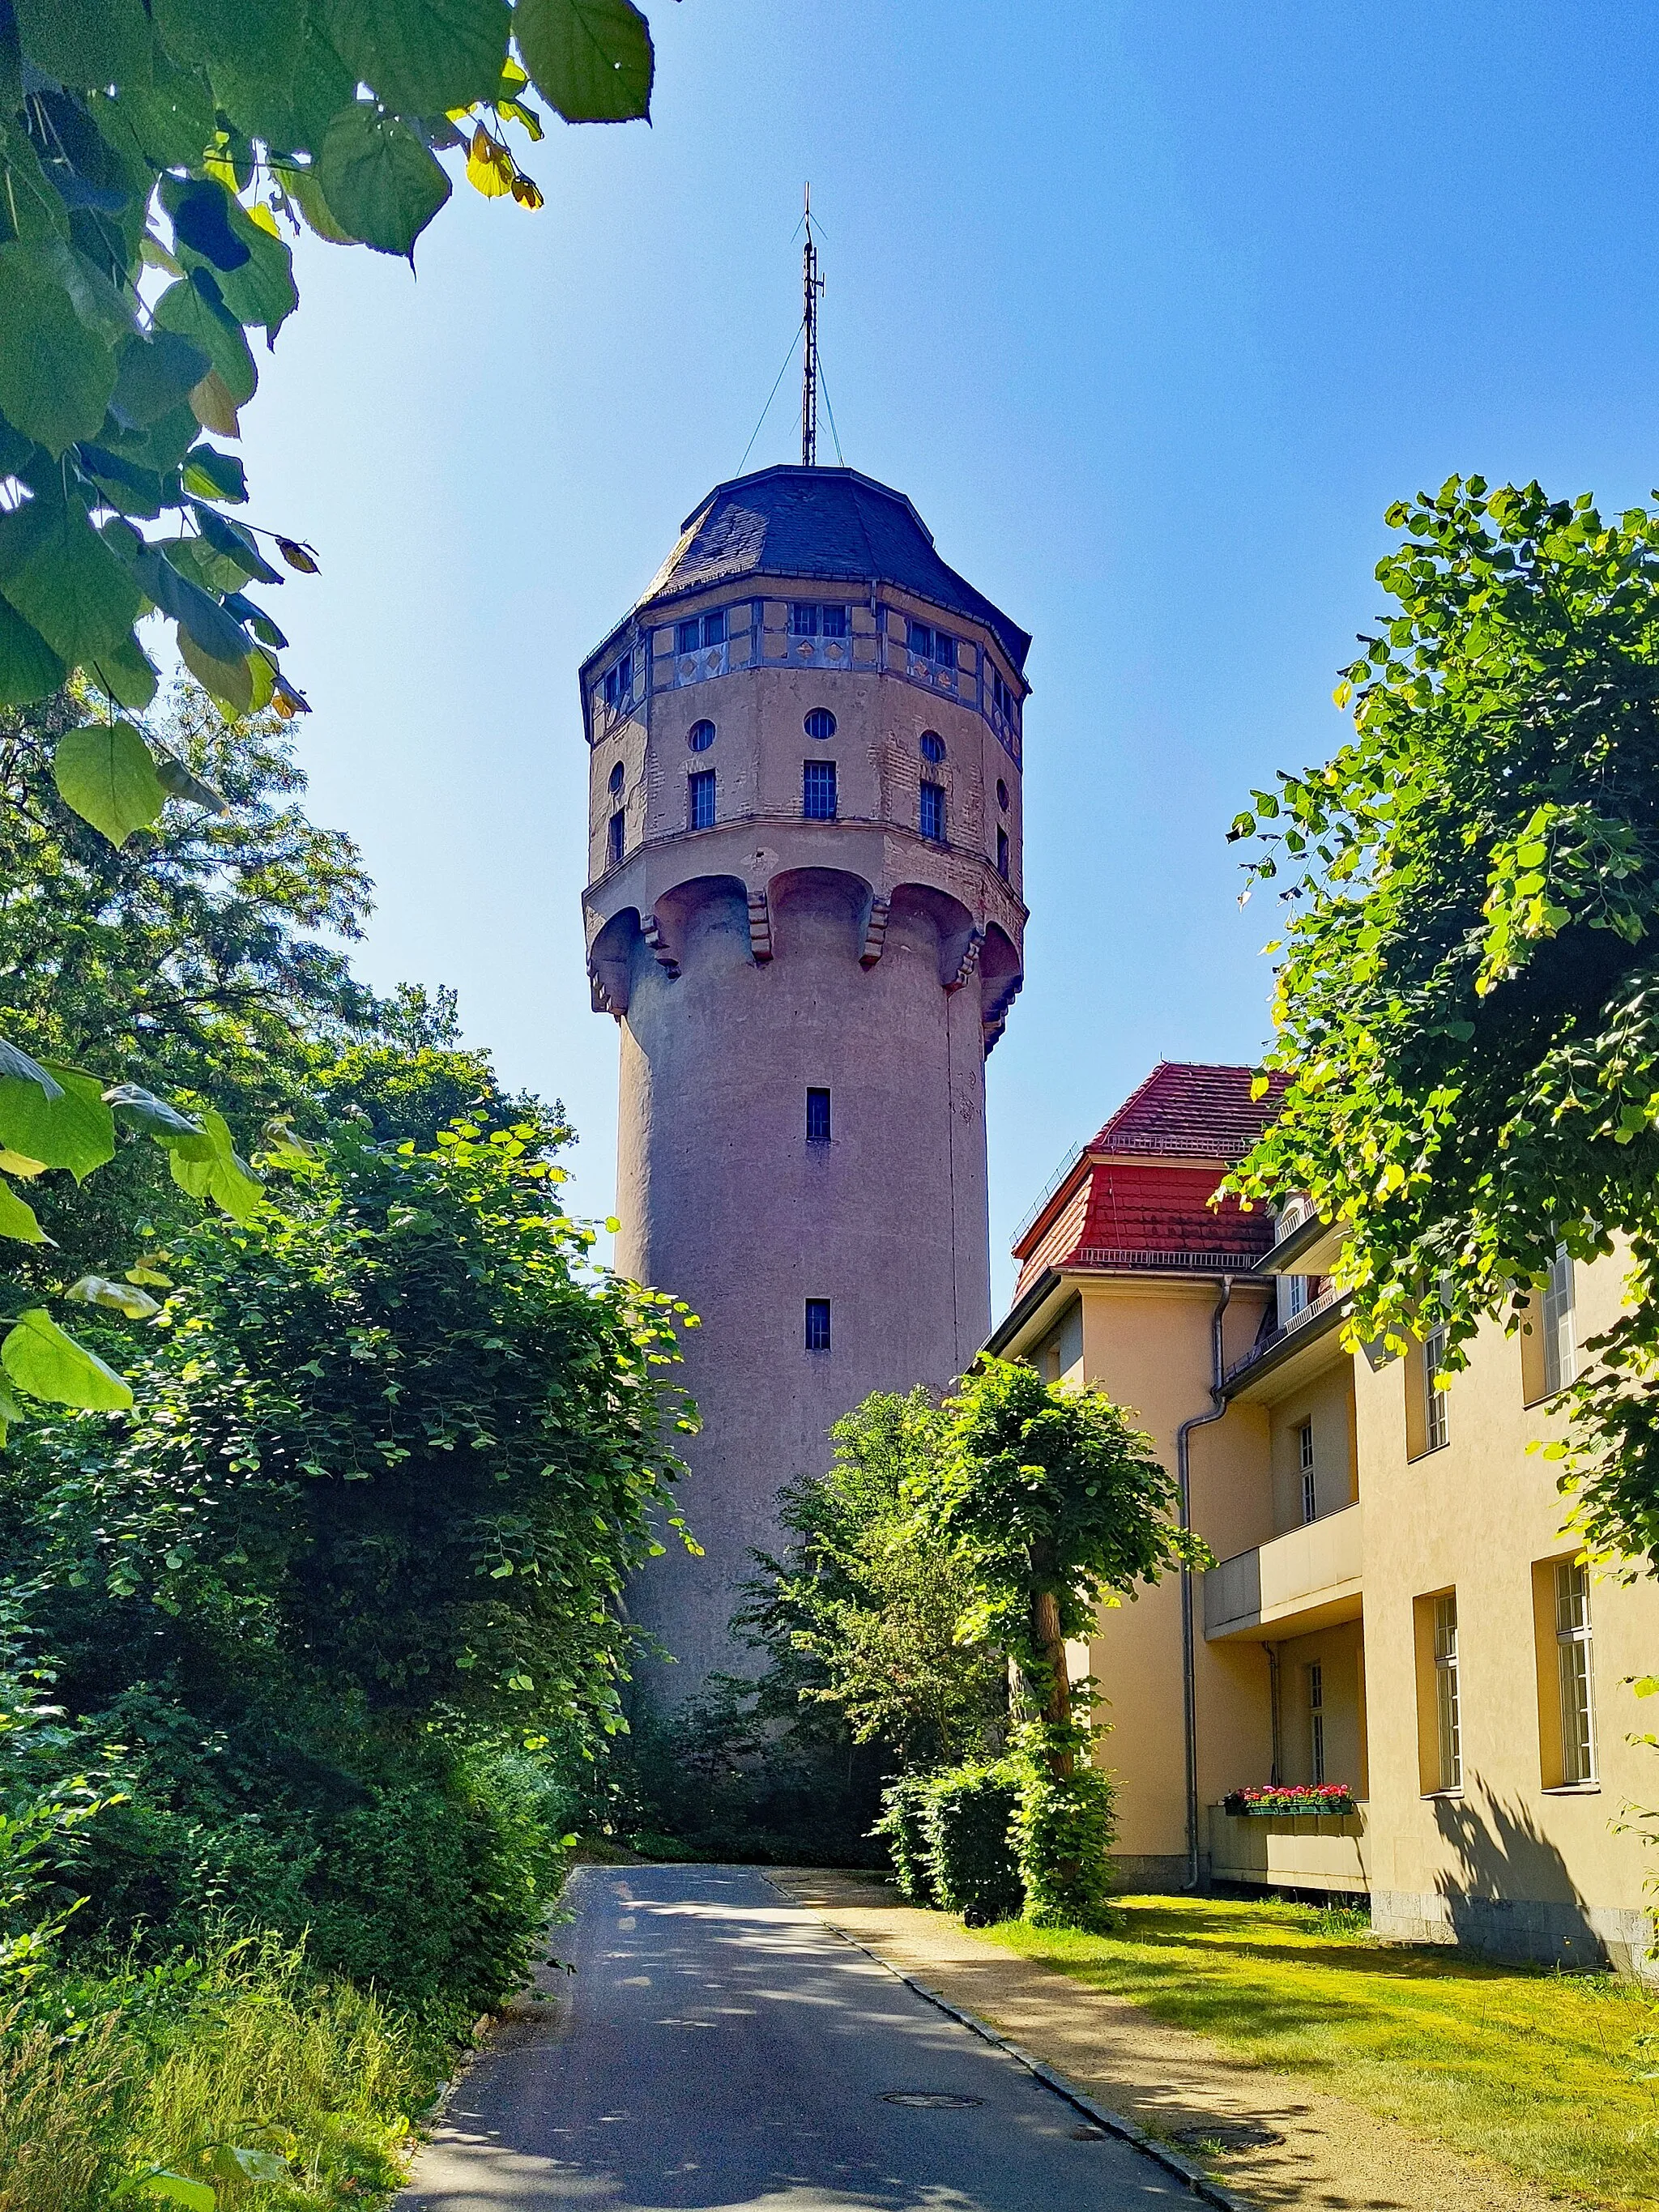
1132 1213
1188 1110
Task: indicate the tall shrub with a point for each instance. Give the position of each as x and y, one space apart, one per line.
970 1820
903 1828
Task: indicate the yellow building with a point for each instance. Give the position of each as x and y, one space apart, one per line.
1396 1610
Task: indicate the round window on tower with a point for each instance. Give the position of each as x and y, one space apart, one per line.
616 777
1002 794
700 736
933 746
820 723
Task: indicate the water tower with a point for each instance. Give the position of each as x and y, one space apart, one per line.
803 912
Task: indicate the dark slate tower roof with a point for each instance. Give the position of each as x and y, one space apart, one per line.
820 522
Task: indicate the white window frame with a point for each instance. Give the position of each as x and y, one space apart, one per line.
1310 1488
1575 1673
1437 1428
1316 1720
1447 1704
1561 1349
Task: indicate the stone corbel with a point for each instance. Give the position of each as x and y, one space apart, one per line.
760 926
875 933
969 961
651 931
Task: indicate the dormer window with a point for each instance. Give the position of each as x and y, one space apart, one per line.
809 618
619 684
700 631
927 643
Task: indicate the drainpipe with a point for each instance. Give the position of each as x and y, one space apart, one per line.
1189 1649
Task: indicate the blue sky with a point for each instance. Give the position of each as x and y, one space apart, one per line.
1151 310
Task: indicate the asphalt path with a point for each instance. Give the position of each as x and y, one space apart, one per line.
717 2046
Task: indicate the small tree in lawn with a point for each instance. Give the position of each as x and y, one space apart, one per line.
1057 1505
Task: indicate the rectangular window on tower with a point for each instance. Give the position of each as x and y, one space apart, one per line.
818 790
1002 854
701 630
817 1324
615 836
945 649
700 800
932 811
817 1117
919 639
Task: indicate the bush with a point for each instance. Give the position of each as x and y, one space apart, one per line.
971 1861
903 1828
1063 1830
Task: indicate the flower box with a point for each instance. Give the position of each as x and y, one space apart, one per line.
1294 1801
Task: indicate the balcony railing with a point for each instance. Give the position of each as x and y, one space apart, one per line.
1291 1851
1327 1297
1306 1579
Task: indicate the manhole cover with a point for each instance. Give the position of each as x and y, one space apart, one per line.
1227 2135
930 2100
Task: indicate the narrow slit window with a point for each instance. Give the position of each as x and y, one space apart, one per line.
1316 1720
1448 1715
818 791
1572 1653
817 1117
1002 854
1305 1452
617 833
700 800
817 1324
932 812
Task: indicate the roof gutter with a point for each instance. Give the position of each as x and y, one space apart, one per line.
1188 1644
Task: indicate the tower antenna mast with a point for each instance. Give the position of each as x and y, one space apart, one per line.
812 284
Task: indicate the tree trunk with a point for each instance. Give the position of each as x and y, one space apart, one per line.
1045 1634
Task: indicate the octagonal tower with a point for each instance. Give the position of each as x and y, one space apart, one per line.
803 912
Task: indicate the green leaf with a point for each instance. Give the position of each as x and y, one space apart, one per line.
148 1112
180 782
53 1114
120 1297
266 38
155 373
61 577
55 376
195 311
209 1166
47 1363
29 669
105 771
128 677
379 180
198 615
210 474
231 683
304 187
86 42
234 542
291 111
238 2164
422 57
591 59
17 1218
173 2188
167 124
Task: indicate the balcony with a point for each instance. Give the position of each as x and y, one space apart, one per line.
1291 1851
1308 1579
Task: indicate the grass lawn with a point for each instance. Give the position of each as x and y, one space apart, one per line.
1555 2076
